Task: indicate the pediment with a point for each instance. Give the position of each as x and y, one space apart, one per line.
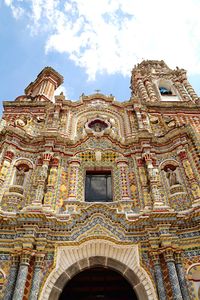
98 231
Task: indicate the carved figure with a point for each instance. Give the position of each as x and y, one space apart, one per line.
97 127
4 169
154 174
20 175
172 177
44 172
143 176
3 123
52 176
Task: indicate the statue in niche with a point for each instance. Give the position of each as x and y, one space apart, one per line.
97 126
43 172
172 176
154 174
20 174
52 176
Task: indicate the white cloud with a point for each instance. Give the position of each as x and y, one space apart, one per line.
17 10
112 35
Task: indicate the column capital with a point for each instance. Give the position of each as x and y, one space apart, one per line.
55 162
140 162
148 156
15 258
47 155
25 258
178 257
168 254
154 255
39 259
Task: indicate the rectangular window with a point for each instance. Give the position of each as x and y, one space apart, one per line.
98 186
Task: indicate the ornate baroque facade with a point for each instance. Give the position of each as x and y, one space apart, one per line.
149 149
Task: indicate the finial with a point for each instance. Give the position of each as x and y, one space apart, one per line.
97 91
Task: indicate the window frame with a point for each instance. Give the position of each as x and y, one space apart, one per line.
99 172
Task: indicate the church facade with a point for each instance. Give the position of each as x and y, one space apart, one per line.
97 183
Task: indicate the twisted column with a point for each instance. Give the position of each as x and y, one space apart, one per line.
159 276
181 90
142 90
181 276
173 277
21 277
36 281
190 90
150 90
12 277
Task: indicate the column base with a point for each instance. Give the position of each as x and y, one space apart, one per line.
33 207
47 208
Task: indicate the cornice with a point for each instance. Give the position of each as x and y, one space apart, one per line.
175 106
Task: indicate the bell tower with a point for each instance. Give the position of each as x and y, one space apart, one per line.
44 86
154 81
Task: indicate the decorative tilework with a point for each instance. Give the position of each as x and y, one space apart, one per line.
144 126
174 281
20 284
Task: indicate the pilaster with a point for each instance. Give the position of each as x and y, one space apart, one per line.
124 180
73 178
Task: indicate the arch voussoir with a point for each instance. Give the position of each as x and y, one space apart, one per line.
73 260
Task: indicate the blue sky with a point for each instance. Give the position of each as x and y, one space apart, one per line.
94 44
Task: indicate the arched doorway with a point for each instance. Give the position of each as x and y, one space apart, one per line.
98 283
73 259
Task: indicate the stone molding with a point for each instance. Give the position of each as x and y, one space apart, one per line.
73 259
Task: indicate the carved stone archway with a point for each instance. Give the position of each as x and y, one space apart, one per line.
124 259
